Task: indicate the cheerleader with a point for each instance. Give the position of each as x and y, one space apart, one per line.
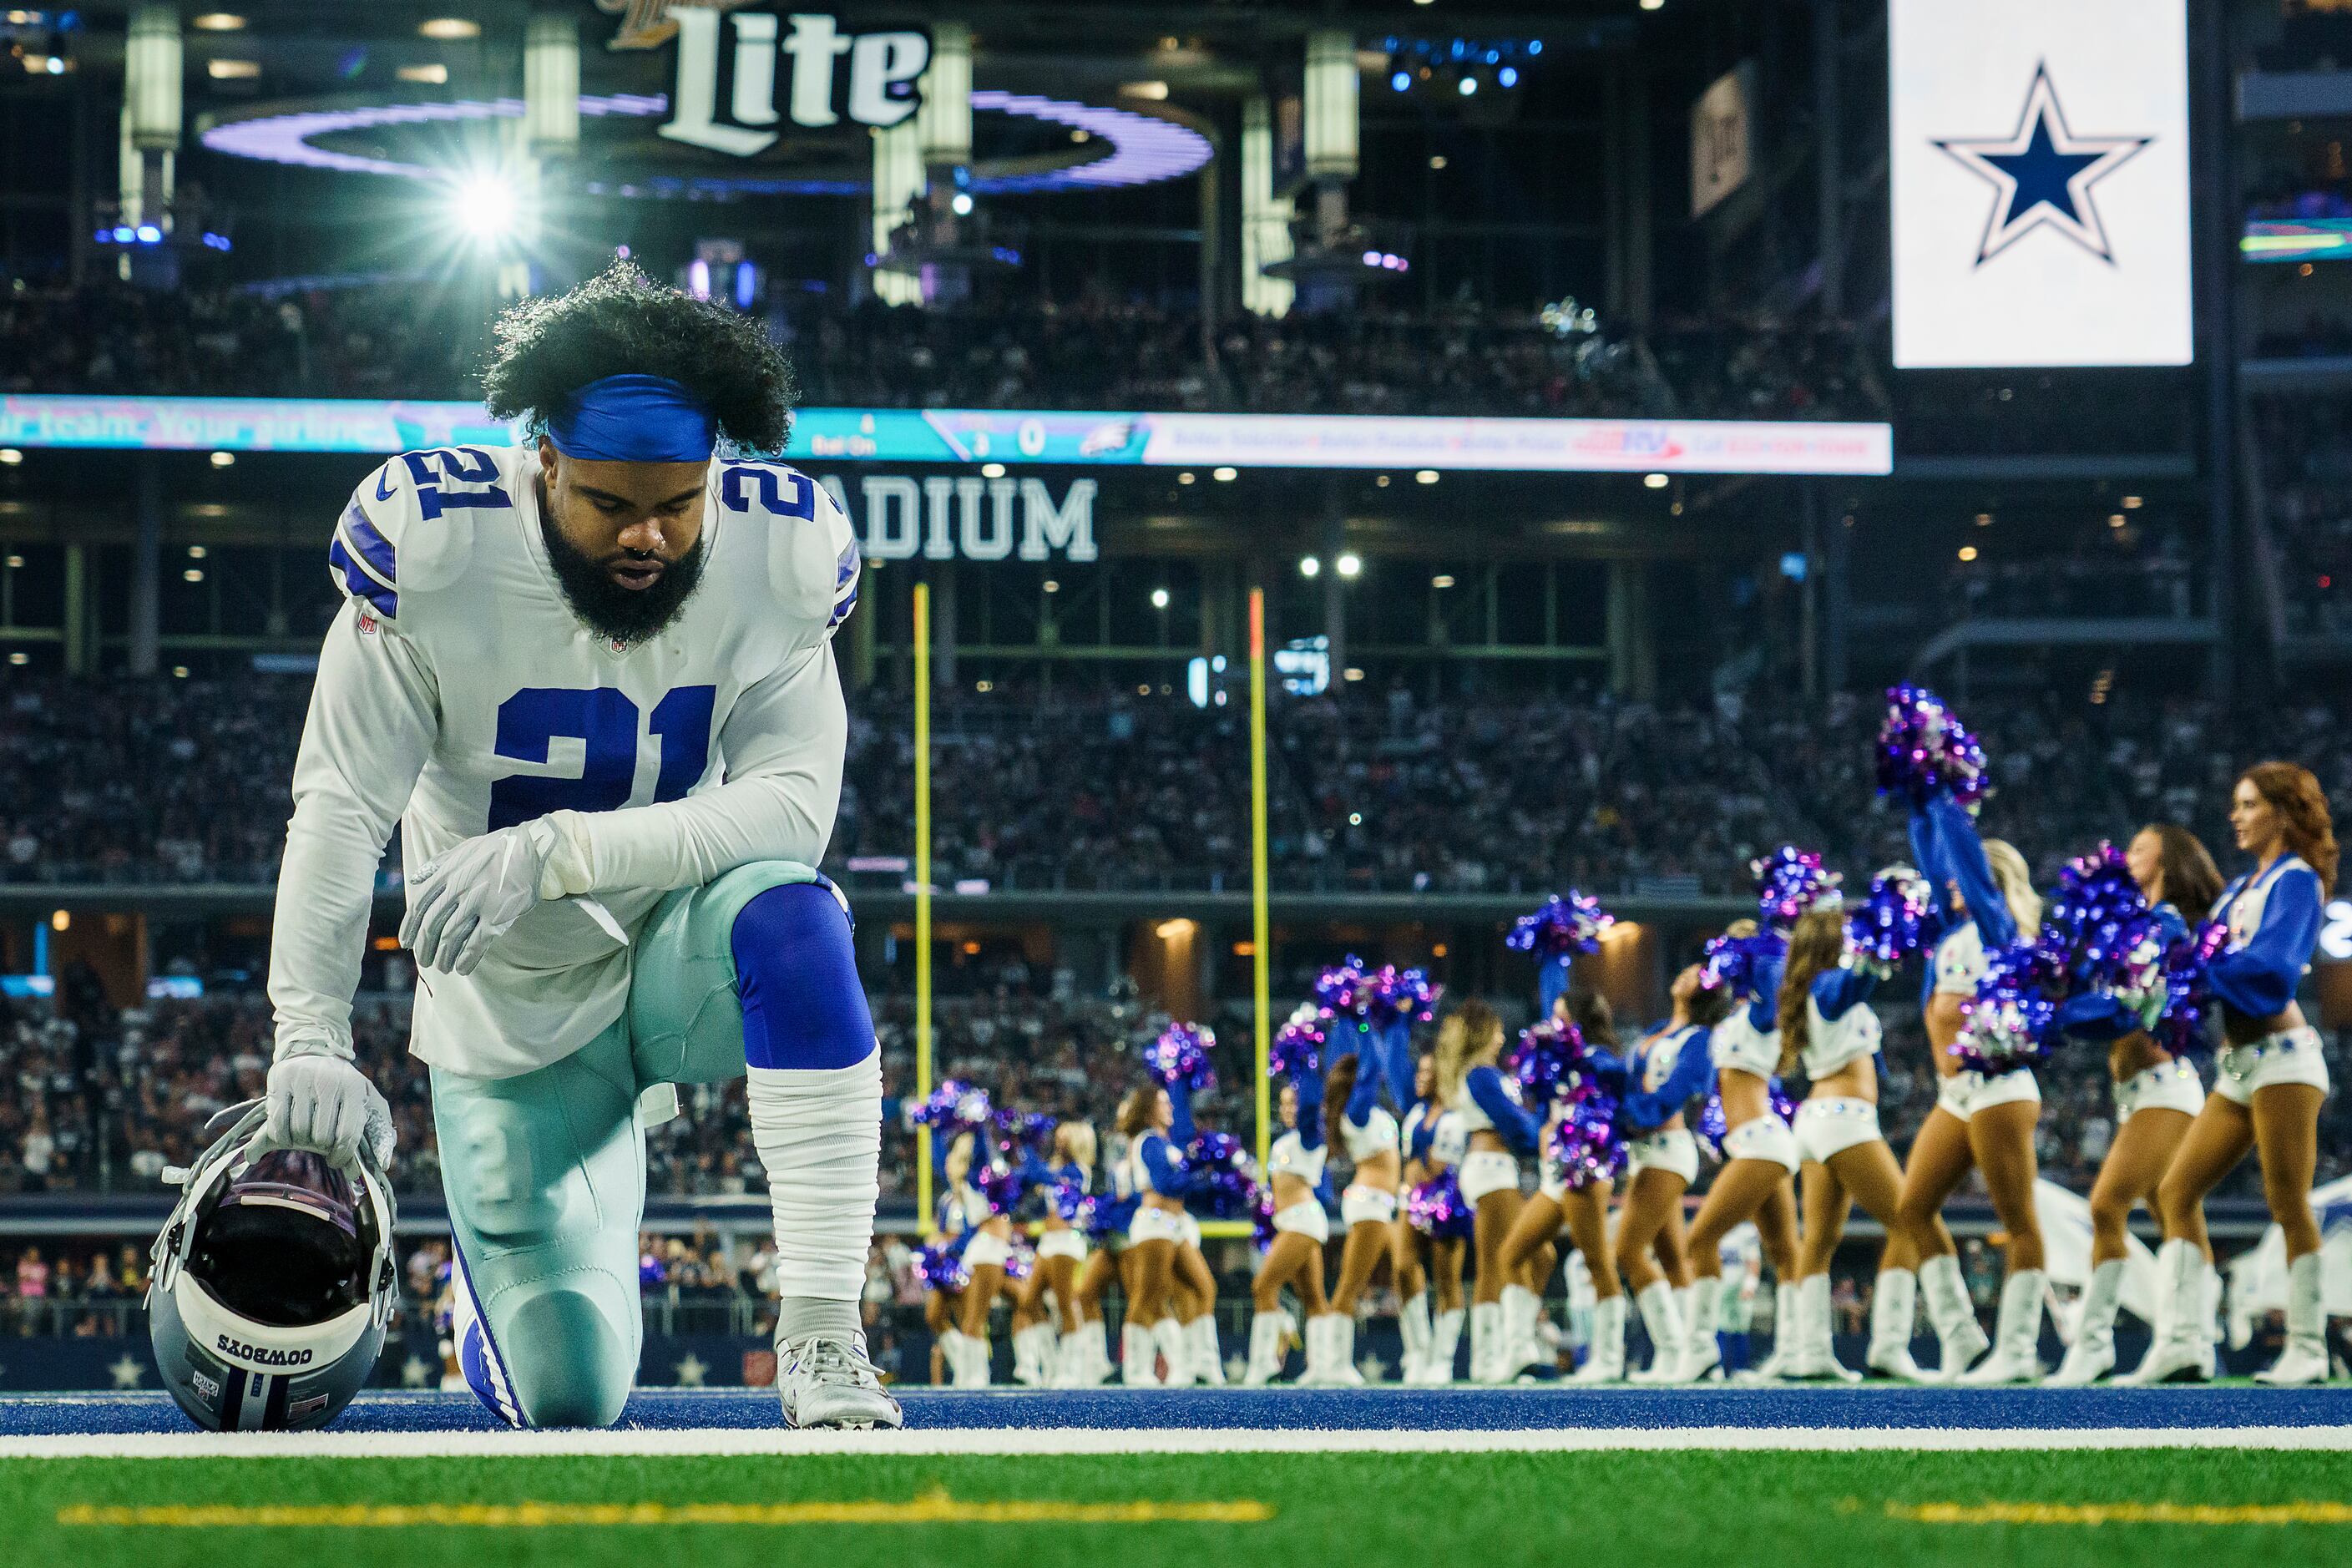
1469 1042
958 1208
1088 1362
986 1256
1827 1023
1157 1122
2157 1094
1666 1069
1988 900
1414 1324
1583 1211
1435 1142
1193 1297
1357 1122
1756 1181
1041 1341
2269 1081
1295 1172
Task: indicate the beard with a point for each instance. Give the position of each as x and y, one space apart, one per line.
625 616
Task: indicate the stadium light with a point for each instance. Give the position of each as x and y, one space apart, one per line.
1467 86
1185 478
1968 552
1159 598
20 658
991 471
1443 580
1426 477
486 204
1225 475
11 456
217 22
222 460
192 574
445 30
1350 564
961 204
1655 481
1308 567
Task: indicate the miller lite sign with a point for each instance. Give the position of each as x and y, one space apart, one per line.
743 74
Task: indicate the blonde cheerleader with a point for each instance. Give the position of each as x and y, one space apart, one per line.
1469 1043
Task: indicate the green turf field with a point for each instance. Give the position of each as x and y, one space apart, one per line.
1743 1510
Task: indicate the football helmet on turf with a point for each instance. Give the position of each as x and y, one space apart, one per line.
273 1283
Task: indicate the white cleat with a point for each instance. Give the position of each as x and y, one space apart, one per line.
2088 1361
826 1380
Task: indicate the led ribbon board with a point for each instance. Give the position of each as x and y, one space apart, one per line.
959 436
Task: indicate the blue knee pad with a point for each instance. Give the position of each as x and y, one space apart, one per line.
796 975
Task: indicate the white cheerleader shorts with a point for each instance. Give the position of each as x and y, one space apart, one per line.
2166 1086
1487 1171
1155 1225
1675 1151
1964 1093
1188 1232
986 1251
1360 1205
2291 1056
1831 1125
1069 1244
1306 1217
1765 1138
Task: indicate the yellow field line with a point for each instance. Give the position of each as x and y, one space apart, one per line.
930 1508
2121 1513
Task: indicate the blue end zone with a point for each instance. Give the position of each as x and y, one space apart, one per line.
1329 1410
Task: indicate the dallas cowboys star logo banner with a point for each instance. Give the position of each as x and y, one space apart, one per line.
2040 164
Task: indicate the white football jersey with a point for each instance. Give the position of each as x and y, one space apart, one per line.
458 693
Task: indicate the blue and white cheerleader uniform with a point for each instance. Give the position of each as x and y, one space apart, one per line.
1840 1028
1950 853
1487 1102
1664 1072
2273 916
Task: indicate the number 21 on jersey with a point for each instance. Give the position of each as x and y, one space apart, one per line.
605 720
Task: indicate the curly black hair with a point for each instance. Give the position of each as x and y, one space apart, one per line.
620 322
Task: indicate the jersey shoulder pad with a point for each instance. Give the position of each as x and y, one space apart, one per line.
409 527
812 558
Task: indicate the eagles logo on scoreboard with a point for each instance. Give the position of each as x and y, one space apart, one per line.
2040 163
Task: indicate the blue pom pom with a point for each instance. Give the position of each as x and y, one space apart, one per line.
2011 1020
1180 1055
1435 1208
953 1106
1547 1060
1582 1144
1562 926
2186 1025
1218 1171
1297 1046
1343 990
1403 996
940 1264
1890 924
1923 748
1738 961
1790 882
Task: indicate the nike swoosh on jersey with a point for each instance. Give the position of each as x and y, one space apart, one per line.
383 483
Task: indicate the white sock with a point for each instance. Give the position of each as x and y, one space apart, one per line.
1894 1308
2101 1297
819 1136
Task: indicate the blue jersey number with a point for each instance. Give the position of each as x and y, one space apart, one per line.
735 483
458 477
605 722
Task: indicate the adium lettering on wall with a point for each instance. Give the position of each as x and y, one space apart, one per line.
950 518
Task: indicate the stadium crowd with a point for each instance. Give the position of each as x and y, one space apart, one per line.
2306 444
405 340
184 780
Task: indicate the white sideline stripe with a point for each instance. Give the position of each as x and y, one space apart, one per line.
1082 1440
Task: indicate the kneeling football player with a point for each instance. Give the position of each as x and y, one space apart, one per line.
591 679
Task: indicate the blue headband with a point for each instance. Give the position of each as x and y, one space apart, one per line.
633 419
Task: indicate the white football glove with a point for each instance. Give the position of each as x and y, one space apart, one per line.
322 1102
466 898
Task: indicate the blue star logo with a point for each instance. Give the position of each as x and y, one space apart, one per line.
2041 174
